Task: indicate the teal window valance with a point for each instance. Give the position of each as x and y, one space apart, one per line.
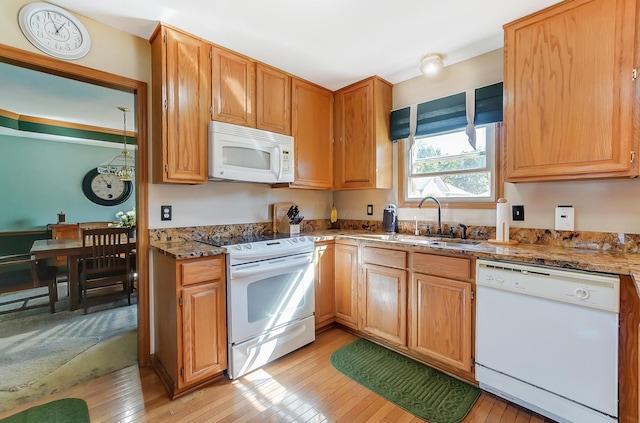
449 113
400 126
488 104
441 115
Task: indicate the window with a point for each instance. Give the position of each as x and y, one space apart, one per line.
446 166
442 161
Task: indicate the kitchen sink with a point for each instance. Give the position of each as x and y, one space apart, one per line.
421 240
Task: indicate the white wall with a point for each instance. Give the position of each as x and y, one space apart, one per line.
606 206
218 203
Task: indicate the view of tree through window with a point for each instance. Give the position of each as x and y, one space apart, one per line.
447 165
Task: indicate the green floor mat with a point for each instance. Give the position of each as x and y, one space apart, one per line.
419 389
68 410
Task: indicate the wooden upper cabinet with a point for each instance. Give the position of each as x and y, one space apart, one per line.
570 93
180 66
234 88
312 133
363 150
273 98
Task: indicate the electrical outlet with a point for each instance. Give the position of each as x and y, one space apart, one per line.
165 212
369 209
517 213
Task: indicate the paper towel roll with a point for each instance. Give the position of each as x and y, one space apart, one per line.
502 220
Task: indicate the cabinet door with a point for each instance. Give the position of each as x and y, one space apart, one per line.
383 303
325 284
570 92
346 295
441 326
234 82
203 331
354 161
363 150
273 97
180 128
312 132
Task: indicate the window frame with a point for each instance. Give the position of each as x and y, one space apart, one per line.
404 167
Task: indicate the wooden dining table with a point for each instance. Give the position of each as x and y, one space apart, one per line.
72 249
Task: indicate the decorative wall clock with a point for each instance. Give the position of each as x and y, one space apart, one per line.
54 31
105 189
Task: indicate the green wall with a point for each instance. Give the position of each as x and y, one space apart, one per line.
40 178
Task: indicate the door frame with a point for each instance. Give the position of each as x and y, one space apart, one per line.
50 65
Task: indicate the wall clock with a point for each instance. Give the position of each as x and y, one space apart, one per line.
105 189
54 31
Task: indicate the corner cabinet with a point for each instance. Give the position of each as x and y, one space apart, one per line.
324 284
363 149
312 131
346 280
190 321
570 87
441 310
180 88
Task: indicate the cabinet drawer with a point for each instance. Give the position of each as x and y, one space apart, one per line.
448 267
384 257
199 271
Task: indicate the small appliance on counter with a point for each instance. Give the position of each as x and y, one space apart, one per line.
390 219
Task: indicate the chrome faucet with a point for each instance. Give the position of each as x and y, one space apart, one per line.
429 197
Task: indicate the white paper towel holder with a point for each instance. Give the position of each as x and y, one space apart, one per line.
502 242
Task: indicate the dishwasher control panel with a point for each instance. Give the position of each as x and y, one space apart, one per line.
577 287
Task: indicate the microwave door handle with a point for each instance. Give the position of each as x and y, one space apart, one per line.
279 163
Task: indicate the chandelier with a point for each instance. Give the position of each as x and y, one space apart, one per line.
123 165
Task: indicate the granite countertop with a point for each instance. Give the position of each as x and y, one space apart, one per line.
181 249
569 258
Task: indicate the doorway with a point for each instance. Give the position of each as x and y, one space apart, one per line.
68 70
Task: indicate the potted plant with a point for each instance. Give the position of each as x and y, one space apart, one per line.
128 220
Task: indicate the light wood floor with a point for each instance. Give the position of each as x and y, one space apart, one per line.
301 387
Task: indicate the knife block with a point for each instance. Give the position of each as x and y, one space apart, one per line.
287 228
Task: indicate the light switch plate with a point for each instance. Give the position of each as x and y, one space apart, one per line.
564 218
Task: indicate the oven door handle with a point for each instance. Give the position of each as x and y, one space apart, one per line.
278 264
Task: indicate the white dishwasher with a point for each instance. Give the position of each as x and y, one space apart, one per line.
547 339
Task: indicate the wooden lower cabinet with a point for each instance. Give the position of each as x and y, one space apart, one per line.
441 320
383 303
325 284
190 321
346 280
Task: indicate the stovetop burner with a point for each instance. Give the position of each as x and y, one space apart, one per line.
223 241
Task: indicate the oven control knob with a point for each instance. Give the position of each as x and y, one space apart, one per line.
237 247
248 246
294 240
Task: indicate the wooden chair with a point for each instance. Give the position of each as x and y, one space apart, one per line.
106 260
41 275
64 231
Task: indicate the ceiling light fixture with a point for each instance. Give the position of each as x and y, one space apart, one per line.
431 64
122 165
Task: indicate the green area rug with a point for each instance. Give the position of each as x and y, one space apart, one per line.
68 410
419 389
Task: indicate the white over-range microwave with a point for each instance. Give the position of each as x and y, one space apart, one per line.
238 153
